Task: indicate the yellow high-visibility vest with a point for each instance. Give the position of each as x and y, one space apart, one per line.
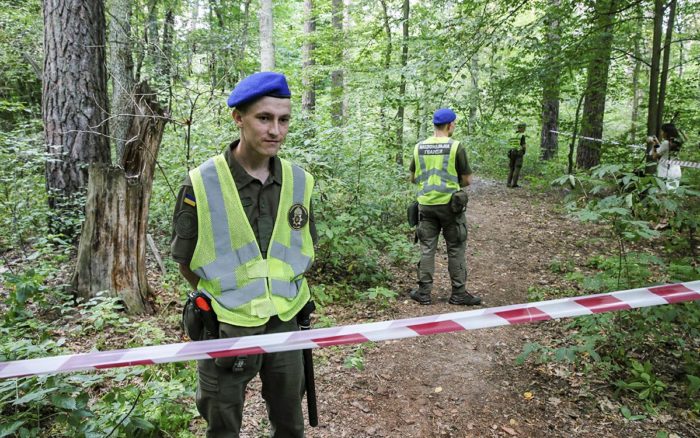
245 288
436 170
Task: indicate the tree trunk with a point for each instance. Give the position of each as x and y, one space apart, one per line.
121 66
244 37
664 67
267 47
337 75
74 103
402 85
636 90
165 61
475 93
308 98
652 128
589 151
549 143
386 86
112 250
152 29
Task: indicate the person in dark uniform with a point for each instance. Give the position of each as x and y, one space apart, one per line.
441 169
231 243
518 144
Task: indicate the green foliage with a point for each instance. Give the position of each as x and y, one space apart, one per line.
643 383
356 360
133 401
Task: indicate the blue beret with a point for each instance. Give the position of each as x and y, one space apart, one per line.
443 115
258 85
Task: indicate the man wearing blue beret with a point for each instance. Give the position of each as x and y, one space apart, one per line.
244 236
440 168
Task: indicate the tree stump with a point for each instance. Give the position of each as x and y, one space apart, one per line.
112 248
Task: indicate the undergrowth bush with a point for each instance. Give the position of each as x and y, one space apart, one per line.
648 354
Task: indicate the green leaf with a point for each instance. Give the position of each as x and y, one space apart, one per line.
64 402
9 429
33 396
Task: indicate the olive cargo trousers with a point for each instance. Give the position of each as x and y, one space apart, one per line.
433 219
222 385
514 166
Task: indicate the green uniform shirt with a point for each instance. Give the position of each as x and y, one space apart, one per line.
462 164
259 201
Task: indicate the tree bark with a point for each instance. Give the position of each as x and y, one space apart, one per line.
386 86
308 98
74 103
402 84
589 151
549 143
337 75
475 93
664 67
121 66
652 128
112 250
267 47
636 91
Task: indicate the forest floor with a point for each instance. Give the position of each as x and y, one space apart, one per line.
467 384
463 384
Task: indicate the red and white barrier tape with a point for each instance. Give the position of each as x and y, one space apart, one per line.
691 164
355 334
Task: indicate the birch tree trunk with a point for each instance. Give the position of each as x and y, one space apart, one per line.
112 250
267 47
589 151
74 103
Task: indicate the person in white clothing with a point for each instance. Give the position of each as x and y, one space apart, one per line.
663 152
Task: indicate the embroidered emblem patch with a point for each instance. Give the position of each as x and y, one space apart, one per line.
298 216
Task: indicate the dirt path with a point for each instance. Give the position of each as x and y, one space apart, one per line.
467 384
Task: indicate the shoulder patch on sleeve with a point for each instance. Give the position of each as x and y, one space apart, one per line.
190 200
186 225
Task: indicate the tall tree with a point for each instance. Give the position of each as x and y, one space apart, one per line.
121 69
267 47
665 66
588 153
652 127
406 9
551 87
308 98
474 101
74 102
337 81
636 71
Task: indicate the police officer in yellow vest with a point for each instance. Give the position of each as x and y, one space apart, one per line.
441 169
518 144
244 234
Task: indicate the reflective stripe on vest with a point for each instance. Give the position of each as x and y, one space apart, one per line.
436 170
246 288
515 140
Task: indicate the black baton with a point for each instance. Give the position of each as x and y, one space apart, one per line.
304 321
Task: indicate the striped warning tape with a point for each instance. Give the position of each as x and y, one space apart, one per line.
354 334
680 163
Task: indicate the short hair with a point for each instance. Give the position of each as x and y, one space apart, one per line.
441 126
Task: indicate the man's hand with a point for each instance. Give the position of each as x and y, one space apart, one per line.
465 180
190 276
